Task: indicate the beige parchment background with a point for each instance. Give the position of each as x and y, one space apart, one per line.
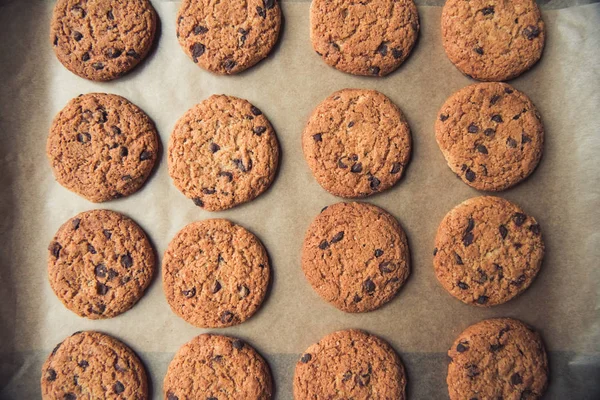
421 323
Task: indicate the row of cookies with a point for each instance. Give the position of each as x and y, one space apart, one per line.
495 358
490 41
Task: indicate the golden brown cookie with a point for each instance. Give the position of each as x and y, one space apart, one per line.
223 152
102 147
492 40
102 39
100 263
215 273
487 251
364 38
498 359
491 135
355 256
217 367
92 365
230 36
357 143
350 364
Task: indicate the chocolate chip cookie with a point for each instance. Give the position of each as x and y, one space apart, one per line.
230 36
498 359
215 273
100 263
491 135
350 364
92 365
217 367
493 40
357 143
102 39
223 152
487 251
355 256
364 38
102 147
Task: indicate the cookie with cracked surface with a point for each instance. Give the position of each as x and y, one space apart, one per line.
102 39
355 256
364 38
357 143
350 364
217 367
100 263
493 40
102 147
228 37
498 359
93 365
223 152
491 135
487 251
215 273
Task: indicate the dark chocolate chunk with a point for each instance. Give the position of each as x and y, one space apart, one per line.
369 286
374 70
226 174
317 137
171 396
227 317
110 15
503 231
473 128
243 291
216 287
487 10
396 167
497 118
255 111
494 99
470 175
237 344
463 285
75 223
261 12
126 260
98 66
269 4
458 259
259 130
396 53
338 236
145 155
115 129
124 151
374 182
100 270
531 32
214 147
84 137
443 117
199 29
209 191
478 50
462 347
70 396
519 219
482 299
496 346
229 65
101 288
516 379
113 53
189 293
382 49
386 267
435 251
240 164
118 387
482 149
468 239
357 298
350 124
85 56
535 229
323 245
77 36
55 249
50 375
489 132
132 53
470 225
356 168
525 138
378 252
306 358
197 51
198 201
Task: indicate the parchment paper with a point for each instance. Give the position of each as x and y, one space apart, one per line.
422 322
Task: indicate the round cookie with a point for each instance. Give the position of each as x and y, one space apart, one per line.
223 152
355 256
491 135
102 39
357 143
215 273
228 37
492 40
217 367
364 38
102 147
487 251
100 263
350 364
497 359
92 365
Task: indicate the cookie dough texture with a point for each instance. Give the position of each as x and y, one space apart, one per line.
493 40
102 39
100 263
491 135
498 359
355 256
487 251
364 38
230 36
223 152
215 273
350 364
92 365
357 143
102 147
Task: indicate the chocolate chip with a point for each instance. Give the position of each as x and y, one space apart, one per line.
55 249
171 396
237 344
363 380
482 299
369 286
240 164
126 260
259 130
461 347
470 175
188 294
198 201
255 111
226 174
118 387
473 128
518 246
503 231
100 270
489 132
386 267
470 225
209 191
145 155
482 276
124 151
306 358
212 398
103 115
110 15
382 49
472 371
350 124
83 364
497 118
481 148
396 167
396 53
227 317
98 66
508 90
357 298
378 253
495 347
78 11
199 29
356 168
132 53
77 36
458 259
519 219
487 10
535 229
338 236
101 288
374 70
85 57
113 53
243 291
463 285
115 130
478 50
520 280
112 274
50 375
341 164
516 379
214 147
323 245
374 182
269 4
494 99
55 40
317 137
84 137
346 377
70 396
531 32
229 65
468 239
55 349
443 117
435 251
197 51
